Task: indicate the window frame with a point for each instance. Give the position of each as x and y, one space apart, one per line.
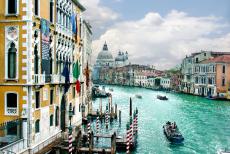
6 9
7 47
5 103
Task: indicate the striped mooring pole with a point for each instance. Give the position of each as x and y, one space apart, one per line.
107 117
70 139
89 127
127 138
131 132
134 123
136 120
97 125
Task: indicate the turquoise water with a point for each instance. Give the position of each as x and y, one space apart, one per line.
205 124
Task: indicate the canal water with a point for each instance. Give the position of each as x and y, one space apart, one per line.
205 124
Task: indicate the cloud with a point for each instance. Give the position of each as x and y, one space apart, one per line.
98 15
164 41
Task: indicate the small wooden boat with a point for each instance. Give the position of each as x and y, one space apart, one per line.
172 133
162 97
138 96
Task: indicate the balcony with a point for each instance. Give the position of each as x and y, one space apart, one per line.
11 111
55 78
39 79
72 79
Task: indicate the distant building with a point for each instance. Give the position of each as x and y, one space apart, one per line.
105 60
121 59
205 73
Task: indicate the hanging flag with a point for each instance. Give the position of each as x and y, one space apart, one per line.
76 23
73 21
78 86
76 70
65 73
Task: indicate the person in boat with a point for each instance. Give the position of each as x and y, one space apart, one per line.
174 125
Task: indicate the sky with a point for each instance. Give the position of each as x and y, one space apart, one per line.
159 32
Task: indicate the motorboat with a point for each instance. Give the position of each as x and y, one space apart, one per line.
162 97
172 133
138 96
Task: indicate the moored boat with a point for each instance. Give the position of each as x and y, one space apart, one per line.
162 97
172 133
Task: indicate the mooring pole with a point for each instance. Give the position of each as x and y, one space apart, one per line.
130 107
120 117
116 111
100 107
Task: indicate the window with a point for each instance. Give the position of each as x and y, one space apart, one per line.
223 82
196 60
223 70
51 10
37 126
57 116
36 61
36 7
204 54
11 104
51 120
12 7
12 60
51 96
37 99
12 128
73 92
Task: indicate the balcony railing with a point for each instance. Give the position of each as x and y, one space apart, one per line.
39 79
55 78
72 79
11 111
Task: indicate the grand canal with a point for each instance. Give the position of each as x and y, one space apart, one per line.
204 124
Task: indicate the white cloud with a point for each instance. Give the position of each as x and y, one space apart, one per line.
98 14
164 41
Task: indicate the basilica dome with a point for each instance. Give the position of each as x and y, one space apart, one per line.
105 54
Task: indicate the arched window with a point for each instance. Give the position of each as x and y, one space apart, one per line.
51 120
37 126
12 61
57 116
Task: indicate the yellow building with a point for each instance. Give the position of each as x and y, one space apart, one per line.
39 39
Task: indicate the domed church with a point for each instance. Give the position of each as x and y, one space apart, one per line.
105 59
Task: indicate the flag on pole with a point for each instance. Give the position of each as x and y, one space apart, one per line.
76 74
78 86
65 73
76 70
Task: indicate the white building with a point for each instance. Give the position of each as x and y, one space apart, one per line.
121 59
165 83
